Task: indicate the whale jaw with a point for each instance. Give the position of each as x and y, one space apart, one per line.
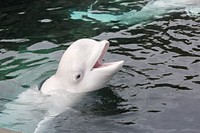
81 68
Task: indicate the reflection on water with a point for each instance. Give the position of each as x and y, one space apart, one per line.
157 90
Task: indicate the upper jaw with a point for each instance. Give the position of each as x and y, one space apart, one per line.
98 63
102 51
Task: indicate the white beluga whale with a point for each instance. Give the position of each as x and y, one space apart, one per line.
153 9
80 70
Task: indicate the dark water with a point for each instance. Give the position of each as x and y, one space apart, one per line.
156 91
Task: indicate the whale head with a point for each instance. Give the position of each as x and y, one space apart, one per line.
81 68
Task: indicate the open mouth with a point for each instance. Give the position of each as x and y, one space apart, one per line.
100 64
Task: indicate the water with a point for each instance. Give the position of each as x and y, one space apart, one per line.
156 91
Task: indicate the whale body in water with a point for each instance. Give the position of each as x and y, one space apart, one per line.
80 70
153 9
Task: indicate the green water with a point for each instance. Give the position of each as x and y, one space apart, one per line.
156 91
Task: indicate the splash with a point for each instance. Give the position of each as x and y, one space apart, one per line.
32 110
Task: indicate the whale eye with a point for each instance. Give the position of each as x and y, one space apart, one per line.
78 76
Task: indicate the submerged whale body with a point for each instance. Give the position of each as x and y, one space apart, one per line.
80 70
153 9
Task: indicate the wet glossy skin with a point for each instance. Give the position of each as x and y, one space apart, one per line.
156 91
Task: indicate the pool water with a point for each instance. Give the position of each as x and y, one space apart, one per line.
156 91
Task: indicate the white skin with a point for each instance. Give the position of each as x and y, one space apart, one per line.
81 68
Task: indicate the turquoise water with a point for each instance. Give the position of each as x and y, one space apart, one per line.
157 90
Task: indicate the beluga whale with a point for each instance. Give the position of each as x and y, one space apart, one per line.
153 9
81 69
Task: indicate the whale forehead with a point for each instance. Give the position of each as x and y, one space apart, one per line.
81 53
82 47
79 56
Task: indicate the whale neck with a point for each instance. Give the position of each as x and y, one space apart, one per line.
50 84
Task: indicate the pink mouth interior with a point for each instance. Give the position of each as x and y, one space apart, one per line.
99 63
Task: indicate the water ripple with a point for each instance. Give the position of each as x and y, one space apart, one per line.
157 90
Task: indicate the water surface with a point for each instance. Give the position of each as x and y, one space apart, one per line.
156 91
